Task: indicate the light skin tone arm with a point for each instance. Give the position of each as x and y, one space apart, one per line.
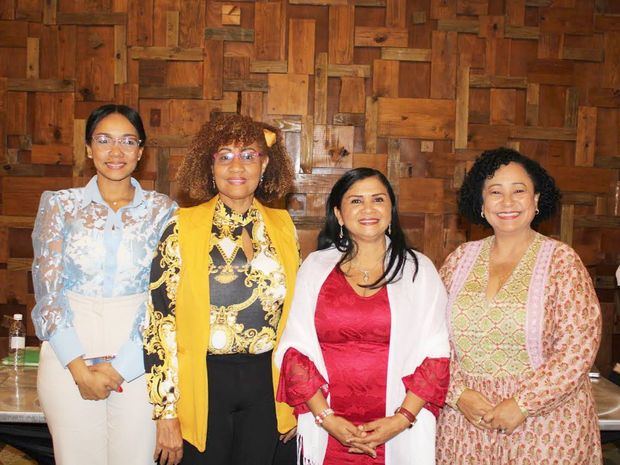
107 369
382 430
169 442
506 416
93 385
338 427
474 406
286 437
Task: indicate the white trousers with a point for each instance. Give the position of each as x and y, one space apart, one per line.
114 431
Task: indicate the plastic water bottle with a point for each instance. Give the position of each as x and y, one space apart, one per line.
17 341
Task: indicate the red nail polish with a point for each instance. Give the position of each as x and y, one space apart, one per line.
120 389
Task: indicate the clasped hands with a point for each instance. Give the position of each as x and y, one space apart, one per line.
364 439
97 381
480 412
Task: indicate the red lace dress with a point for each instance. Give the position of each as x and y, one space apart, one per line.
354 335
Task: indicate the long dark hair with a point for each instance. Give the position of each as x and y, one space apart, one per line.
330 234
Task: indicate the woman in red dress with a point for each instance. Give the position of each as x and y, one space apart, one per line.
365 351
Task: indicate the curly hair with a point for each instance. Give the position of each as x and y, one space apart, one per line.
485 166
195 175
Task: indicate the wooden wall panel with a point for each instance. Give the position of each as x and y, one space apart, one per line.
415 89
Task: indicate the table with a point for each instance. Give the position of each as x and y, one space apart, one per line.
607 397
18 396
22 423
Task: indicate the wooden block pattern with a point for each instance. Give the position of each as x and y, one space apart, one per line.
416 118
585 146
385 78
212 83
301 46
416 89
231 15
288 94
268 40
320 89
443 65
341 34
381 37
352 95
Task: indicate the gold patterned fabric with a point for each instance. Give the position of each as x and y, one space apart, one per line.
246 296
489 335
160 345
246 299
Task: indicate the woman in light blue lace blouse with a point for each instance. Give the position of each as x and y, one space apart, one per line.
93 249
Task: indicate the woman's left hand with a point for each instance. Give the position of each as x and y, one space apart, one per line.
505 416
107 369
380 431
286 437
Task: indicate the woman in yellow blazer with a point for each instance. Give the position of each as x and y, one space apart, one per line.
221 287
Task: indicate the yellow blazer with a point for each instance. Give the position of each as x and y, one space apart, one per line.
193 310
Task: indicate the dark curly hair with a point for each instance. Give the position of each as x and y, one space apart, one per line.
485 166
195 175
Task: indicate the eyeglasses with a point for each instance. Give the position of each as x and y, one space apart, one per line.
246 157
126 143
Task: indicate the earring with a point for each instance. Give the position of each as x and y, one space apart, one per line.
341 235
482 213
389 231
213 181
261 178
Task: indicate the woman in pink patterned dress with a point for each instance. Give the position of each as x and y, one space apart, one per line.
525 328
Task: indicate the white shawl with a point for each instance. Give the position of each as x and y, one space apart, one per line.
418 330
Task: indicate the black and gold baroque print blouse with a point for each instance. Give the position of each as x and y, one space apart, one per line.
160 344
246 299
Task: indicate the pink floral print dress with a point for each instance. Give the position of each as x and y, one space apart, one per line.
535 340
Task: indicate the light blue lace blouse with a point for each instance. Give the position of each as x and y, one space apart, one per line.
82 245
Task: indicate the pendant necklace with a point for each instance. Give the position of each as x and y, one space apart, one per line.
366 273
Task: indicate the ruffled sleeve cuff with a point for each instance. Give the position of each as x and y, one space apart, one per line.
430 382
299 381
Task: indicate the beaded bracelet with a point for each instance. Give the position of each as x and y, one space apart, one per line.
322 416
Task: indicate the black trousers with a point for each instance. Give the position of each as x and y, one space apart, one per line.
241 426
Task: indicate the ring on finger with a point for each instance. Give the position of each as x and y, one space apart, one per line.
479 421
501 430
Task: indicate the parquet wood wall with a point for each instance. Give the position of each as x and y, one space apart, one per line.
415 88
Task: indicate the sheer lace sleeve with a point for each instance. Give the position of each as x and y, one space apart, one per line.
299 381
52 310
430 382
160 345
129 361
